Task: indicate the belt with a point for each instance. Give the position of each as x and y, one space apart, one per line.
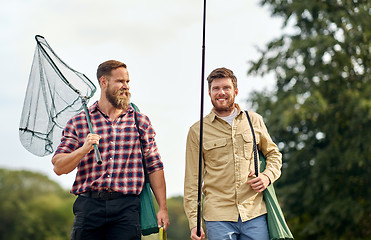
102 195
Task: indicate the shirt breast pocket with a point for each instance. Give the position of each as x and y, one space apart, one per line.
248 143
216 152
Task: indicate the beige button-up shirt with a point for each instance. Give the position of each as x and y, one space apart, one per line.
227 161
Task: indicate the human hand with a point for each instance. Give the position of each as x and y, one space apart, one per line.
259 183
90 140
163 219
194 234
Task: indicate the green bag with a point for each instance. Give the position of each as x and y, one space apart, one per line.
277 227
148 219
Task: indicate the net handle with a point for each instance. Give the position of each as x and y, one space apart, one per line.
98 157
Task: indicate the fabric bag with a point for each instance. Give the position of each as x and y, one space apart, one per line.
277 225
148 219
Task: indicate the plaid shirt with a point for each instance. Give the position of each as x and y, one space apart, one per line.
122 169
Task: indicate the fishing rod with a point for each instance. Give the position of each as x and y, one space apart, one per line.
201 124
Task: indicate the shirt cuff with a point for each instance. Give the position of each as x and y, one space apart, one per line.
269 175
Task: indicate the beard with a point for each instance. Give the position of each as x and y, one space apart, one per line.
227 107
120 99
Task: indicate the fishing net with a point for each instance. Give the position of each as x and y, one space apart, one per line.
55 93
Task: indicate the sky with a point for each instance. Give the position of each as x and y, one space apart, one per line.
161 43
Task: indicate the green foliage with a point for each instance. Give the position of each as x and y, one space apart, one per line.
320 115
179 228
36 208
33 207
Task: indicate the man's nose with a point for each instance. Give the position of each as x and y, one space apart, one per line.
125 86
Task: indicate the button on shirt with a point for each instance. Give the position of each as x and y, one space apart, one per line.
227 161
121 169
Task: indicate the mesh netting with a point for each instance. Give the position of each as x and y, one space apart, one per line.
55 93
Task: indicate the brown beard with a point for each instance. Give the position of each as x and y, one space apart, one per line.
228 108
117 100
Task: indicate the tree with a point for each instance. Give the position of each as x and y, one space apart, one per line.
36 208
320 115
33 207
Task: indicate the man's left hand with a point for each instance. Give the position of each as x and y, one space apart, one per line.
260 183
163 219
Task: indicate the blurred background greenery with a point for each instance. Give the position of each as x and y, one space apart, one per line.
35 208
319 114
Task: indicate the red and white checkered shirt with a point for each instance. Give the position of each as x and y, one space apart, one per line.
122 169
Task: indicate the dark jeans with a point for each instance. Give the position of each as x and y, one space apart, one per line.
109 220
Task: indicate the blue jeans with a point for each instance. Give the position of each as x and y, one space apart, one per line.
254 229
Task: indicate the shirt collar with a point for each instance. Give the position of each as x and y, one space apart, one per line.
95 108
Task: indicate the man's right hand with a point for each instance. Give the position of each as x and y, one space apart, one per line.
90 140
194 234
66 162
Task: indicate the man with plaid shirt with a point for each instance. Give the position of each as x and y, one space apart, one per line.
108 205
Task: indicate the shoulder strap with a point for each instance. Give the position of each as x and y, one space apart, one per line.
135 107
254 146
144 162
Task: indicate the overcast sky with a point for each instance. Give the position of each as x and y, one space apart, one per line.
160 41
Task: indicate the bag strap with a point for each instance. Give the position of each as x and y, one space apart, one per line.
254 145
144 162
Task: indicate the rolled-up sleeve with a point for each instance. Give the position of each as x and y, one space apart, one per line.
151 152
69 141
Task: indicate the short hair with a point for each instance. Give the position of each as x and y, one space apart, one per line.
222 73
105 68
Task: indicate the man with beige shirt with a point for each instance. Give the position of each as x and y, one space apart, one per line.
233 206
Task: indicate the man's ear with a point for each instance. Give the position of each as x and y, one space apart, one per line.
103 81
